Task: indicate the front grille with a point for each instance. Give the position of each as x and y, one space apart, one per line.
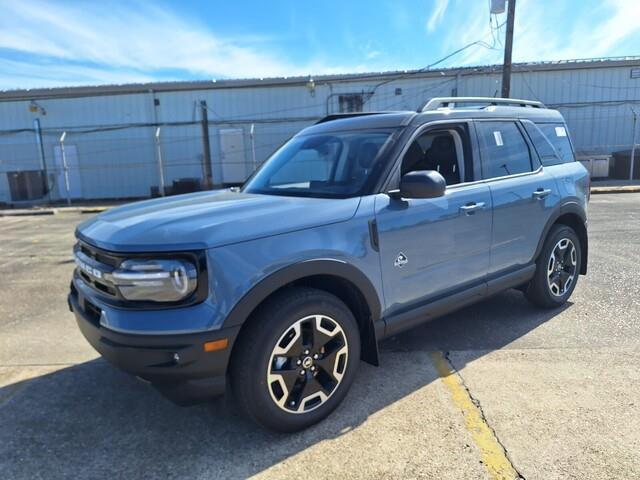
98 255
94 266
105 288
101 261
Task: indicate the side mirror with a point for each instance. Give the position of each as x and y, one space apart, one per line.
422 184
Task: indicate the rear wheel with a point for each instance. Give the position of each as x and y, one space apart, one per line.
557 268
296 361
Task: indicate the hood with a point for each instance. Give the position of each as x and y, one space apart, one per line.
209 219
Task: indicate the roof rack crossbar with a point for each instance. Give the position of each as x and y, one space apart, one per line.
444 102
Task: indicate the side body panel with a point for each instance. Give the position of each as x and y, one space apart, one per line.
446 247
521 207
573 183
238 271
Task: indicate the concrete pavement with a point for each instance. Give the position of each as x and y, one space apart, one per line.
558 389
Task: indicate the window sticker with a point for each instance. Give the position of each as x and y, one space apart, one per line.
561 132
498 137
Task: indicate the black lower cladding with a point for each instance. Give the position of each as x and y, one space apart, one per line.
177 364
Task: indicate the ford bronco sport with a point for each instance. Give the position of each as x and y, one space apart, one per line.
359 227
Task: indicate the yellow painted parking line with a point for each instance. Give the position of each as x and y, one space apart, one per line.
493 455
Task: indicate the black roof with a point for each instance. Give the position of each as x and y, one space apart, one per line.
367 120
371 120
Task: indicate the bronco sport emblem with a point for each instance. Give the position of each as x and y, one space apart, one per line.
401 260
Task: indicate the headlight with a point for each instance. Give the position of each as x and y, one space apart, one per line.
155 280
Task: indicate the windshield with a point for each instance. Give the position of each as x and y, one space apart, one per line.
336 164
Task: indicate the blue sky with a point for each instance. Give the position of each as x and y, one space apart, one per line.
58 43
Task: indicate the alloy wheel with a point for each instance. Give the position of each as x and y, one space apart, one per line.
307 364
562 267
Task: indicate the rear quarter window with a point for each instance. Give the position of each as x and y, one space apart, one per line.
558 135
547 153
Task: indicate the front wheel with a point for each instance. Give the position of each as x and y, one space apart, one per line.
296 359
557 268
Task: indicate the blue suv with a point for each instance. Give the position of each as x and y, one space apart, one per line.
359 227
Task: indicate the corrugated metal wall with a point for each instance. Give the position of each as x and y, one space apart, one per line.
596 103
117 158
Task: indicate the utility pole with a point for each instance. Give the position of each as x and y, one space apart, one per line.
206 149
508 46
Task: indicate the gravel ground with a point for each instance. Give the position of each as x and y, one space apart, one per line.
558 388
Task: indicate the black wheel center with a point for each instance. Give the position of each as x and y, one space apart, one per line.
307 362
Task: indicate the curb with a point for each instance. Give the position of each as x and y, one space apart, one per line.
629 189
50 211
26 213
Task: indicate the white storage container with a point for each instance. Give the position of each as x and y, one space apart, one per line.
597 165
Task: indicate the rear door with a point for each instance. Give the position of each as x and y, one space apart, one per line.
522 192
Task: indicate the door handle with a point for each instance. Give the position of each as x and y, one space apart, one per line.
470 208
541 193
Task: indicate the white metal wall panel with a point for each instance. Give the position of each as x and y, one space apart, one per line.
122 163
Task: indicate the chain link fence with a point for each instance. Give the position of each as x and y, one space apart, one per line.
121 162
133 161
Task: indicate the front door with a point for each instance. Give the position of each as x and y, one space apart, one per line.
430 248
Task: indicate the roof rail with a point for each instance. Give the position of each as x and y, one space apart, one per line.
444 102
340 116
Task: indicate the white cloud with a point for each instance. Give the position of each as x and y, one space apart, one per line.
437 14
129 41
20 74
543 33
60 43
470 23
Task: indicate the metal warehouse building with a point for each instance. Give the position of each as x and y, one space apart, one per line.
131 141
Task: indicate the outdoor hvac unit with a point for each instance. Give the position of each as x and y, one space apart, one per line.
622 165
27 185
597 165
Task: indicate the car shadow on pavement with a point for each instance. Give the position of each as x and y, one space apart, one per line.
92 421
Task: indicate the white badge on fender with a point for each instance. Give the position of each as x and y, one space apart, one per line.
401 260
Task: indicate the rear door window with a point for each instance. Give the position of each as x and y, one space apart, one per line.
558 135
503 149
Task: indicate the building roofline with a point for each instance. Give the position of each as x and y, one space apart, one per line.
177 86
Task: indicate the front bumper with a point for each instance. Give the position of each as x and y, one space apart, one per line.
176 364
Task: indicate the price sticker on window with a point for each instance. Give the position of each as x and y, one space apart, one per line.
561 132
497 135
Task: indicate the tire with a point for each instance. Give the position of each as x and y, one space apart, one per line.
557 268
296 359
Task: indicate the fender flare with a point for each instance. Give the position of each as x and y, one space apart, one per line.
297 271
573 208
373 327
